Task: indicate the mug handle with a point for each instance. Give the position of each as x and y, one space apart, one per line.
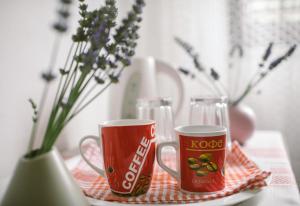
160 146
97 139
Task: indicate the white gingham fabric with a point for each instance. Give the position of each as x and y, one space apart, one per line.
241 174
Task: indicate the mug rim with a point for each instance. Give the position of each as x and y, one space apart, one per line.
201 130
126 122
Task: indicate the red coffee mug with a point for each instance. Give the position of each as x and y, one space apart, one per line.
128 149
200 154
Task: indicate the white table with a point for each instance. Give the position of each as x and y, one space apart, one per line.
267 149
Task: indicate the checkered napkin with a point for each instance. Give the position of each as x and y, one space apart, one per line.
241 174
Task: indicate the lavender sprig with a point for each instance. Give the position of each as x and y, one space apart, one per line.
277 61
185 71
35 111
34 120
214 74
191 52
61 25
210 75
266 54
261 74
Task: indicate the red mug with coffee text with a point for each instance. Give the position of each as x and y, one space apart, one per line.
200 154
128 149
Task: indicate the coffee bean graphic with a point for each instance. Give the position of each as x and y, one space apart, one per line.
201 173
194 166
212 167
192 160
142 185
206 157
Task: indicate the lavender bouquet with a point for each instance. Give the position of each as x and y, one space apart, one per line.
100 51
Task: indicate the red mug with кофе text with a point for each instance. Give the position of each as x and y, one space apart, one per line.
128 149
200 154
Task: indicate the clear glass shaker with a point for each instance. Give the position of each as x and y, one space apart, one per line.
209 110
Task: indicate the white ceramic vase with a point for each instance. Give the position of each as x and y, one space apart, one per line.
43 181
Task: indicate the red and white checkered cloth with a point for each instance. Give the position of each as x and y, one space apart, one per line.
241 174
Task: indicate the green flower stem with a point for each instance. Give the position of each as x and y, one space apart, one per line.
87 103
243 95
58 107
32 137
252 83
68 76
92 89
74 78
217 85
68 81
249 88
61 76
57 126
85 96
74 95
87 82
77 111
75 70
80 91
52 62
87 93
263 75
223 88
60 93
54 53
213 83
